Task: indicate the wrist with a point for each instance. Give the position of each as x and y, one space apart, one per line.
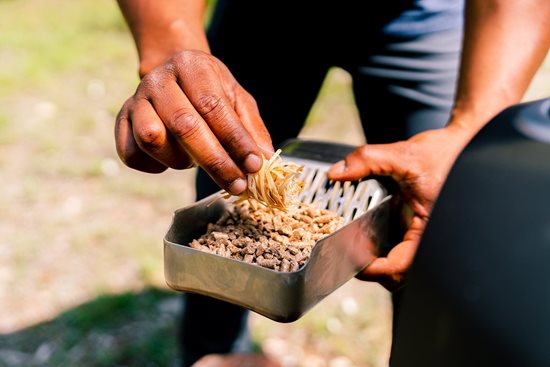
156 49
467 122
457 134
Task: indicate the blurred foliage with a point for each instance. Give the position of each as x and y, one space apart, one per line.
128 329
41 39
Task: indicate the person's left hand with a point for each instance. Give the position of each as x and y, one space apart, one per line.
420 166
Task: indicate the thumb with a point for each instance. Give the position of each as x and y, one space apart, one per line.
375 159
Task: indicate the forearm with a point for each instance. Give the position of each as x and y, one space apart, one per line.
505 42
162 28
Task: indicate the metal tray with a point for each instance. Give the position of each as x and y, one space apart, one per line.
280 296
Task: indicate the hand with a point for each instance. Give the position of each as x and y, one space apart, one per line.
236 360
191 111
420 166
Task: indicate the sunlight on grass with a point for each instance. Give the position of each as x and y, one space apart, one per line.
42 39
81 234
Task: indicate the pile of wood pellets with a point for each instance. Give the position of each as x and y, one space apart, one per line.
268 237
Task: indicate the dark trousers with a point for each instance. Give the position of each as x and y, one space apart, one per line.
401 87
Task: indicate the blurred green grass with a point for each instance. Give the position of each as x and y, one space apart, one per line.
81 235
126 329
43 39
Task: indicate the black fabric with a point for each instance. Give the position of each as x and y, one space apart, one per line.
211 326
479 288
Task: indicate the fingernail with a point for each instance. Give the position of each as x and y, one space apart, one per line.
252 163
237 187
338 168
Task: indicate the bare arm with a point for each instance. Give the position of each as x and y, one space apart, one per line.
162 28
188 108
505 42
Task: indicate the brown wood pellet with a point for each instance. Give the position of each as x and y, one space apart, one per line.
267 237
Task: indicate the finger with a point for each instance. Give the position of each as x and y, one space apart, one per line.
236 360
203 87
396 263
387 271
194 136
151 136
379 159
210 360
129 151
247 109
393 268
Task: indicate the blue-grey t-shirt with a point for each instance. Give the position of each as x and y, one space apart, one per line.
418 17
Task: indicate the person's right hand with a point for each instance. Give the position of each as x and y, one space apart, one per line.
237 360
191 111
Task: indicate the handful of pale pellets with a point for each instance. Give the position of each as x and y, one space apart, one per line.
268 237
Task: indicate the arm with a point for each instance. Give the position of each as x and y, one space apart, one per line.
163 28
188 108
505 42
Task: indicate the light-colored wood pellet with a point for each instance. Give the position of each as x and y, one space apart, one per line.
266 237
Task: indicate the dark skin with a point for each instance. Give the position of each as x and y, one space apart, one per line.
494 74
190 111
237 360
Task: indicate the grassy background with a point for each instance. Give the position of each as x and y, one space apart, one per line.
81 271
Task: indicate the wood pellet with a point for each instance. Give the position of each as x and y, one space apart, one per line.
268 237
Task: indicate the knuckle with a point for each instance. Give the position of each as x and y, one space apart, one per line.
218 167
362 152
234 138
151 137
152 81
123 112
169 68
126 109
185 123
209 104
248 98
184 57
190 58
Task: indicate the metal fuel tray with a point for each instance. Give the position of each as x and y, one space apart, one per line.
285 296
